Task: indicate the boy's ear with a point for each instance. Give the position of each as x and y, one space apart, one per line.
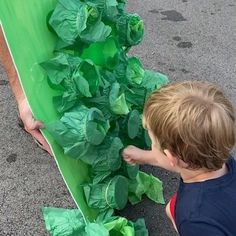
172 159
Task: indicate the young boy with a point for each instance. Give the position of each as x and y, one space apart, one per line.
192 128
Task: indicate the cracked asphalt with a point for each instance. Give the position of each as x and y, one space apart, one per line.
185 40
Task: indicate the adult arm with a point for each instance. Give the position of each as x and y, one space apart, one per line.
31 125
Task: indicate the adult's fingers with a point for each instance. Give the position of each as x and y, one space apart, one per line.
32 124
38 125
41 140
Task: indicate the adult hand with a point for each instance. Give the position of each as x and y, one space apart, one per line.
31 125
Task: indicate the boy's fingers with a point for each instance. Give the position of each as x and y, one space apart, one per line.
130 161
127 158
128 150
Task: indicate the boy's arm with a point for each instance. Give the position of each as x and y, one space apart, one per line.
31 125
134 155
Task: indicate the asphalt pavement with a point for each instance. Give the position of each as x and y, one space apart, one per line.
184 39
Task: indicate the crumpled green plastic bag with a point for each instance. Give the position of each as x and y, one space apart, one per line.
78 129
113 193
122 226
63 222
148 185
93 229
69 222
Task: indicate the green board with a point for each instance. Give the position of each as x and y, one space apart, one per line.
30 43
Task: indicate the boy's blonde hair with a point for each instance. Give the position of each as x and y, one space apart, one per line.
194 120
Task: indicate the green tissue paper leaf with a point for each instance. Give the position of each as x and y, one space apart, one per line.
154 80
134 123
136 96
109 159
69 19
95 229
140 228
86 78
134 71
109 155
73 76
145 184
106 156
117 100
130 29
57 69
98 33
66 101
128 170
123 227
112 193
77 20
109 50
78 129
120 226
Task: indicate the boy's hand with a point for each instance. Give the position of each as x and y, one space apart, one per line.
134 155
154 157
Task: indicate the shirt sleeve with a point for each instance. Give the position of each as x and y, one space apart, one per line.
191 228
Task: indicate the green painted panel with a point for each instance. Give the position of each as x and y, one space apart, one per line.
30 42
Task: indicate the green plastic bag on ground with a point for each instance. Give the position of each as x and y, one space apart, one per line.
63 222
69 222
94 229
120 226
